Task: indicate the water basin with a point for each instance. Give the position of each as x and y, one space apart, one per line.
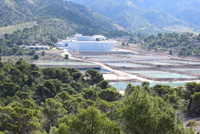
187 70
63 63
160 63
162 74
97 56
122 86
121 64
186 62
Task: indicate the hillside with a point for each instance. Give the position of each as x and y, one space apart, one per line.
54 18
185 44
37 100
149 15
12 28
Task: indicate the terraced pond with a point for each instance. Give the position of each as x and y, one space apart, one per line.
122 86
121 64
186 62
63 63
97 56
160 63
187 70
161 74
146 58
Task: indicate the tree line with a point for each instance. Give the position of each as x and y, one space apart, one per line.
63 100
184 44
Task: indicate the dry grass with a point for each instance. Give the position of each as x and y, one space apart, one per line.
52 55
12 28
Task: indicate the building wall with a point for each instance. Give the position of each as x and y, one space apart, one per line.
83 38
96 43
91 46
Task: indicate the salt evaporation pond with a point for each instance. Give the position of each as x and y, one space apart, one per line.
120 64
64 63
186 62
187 70
98 56
161 74
147 57
160 63
122 86
132 55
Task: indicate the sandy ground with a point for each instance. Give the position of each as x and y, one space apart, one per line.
113 77
121 92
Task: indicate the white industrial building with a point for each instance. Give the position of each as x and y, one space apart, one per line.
96 43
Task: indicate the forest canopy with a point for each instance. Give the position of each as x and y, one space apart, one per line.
64 100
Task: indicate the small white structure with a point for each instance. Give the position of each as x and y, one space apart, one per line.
38 47
62 43
96 43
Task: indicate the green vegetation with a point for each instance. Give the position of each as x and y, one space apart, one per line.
66 56
149 16
190 123
45 22
54 18
37 100
43 53
124 44
14 50
63 100
13 28
36 57
170 52
185 44
142 113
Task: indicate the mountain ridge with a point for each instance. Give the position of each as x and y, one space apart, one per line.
151 15
72 17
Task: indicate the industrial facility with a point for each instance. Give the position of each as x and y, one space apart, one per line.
95 43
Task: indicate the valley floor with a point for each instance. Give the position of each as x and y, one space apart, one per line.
122 65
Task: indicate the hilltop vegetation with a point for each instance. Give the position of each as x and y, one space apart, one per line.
149 15
54 18
63 100
186 44
12 28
